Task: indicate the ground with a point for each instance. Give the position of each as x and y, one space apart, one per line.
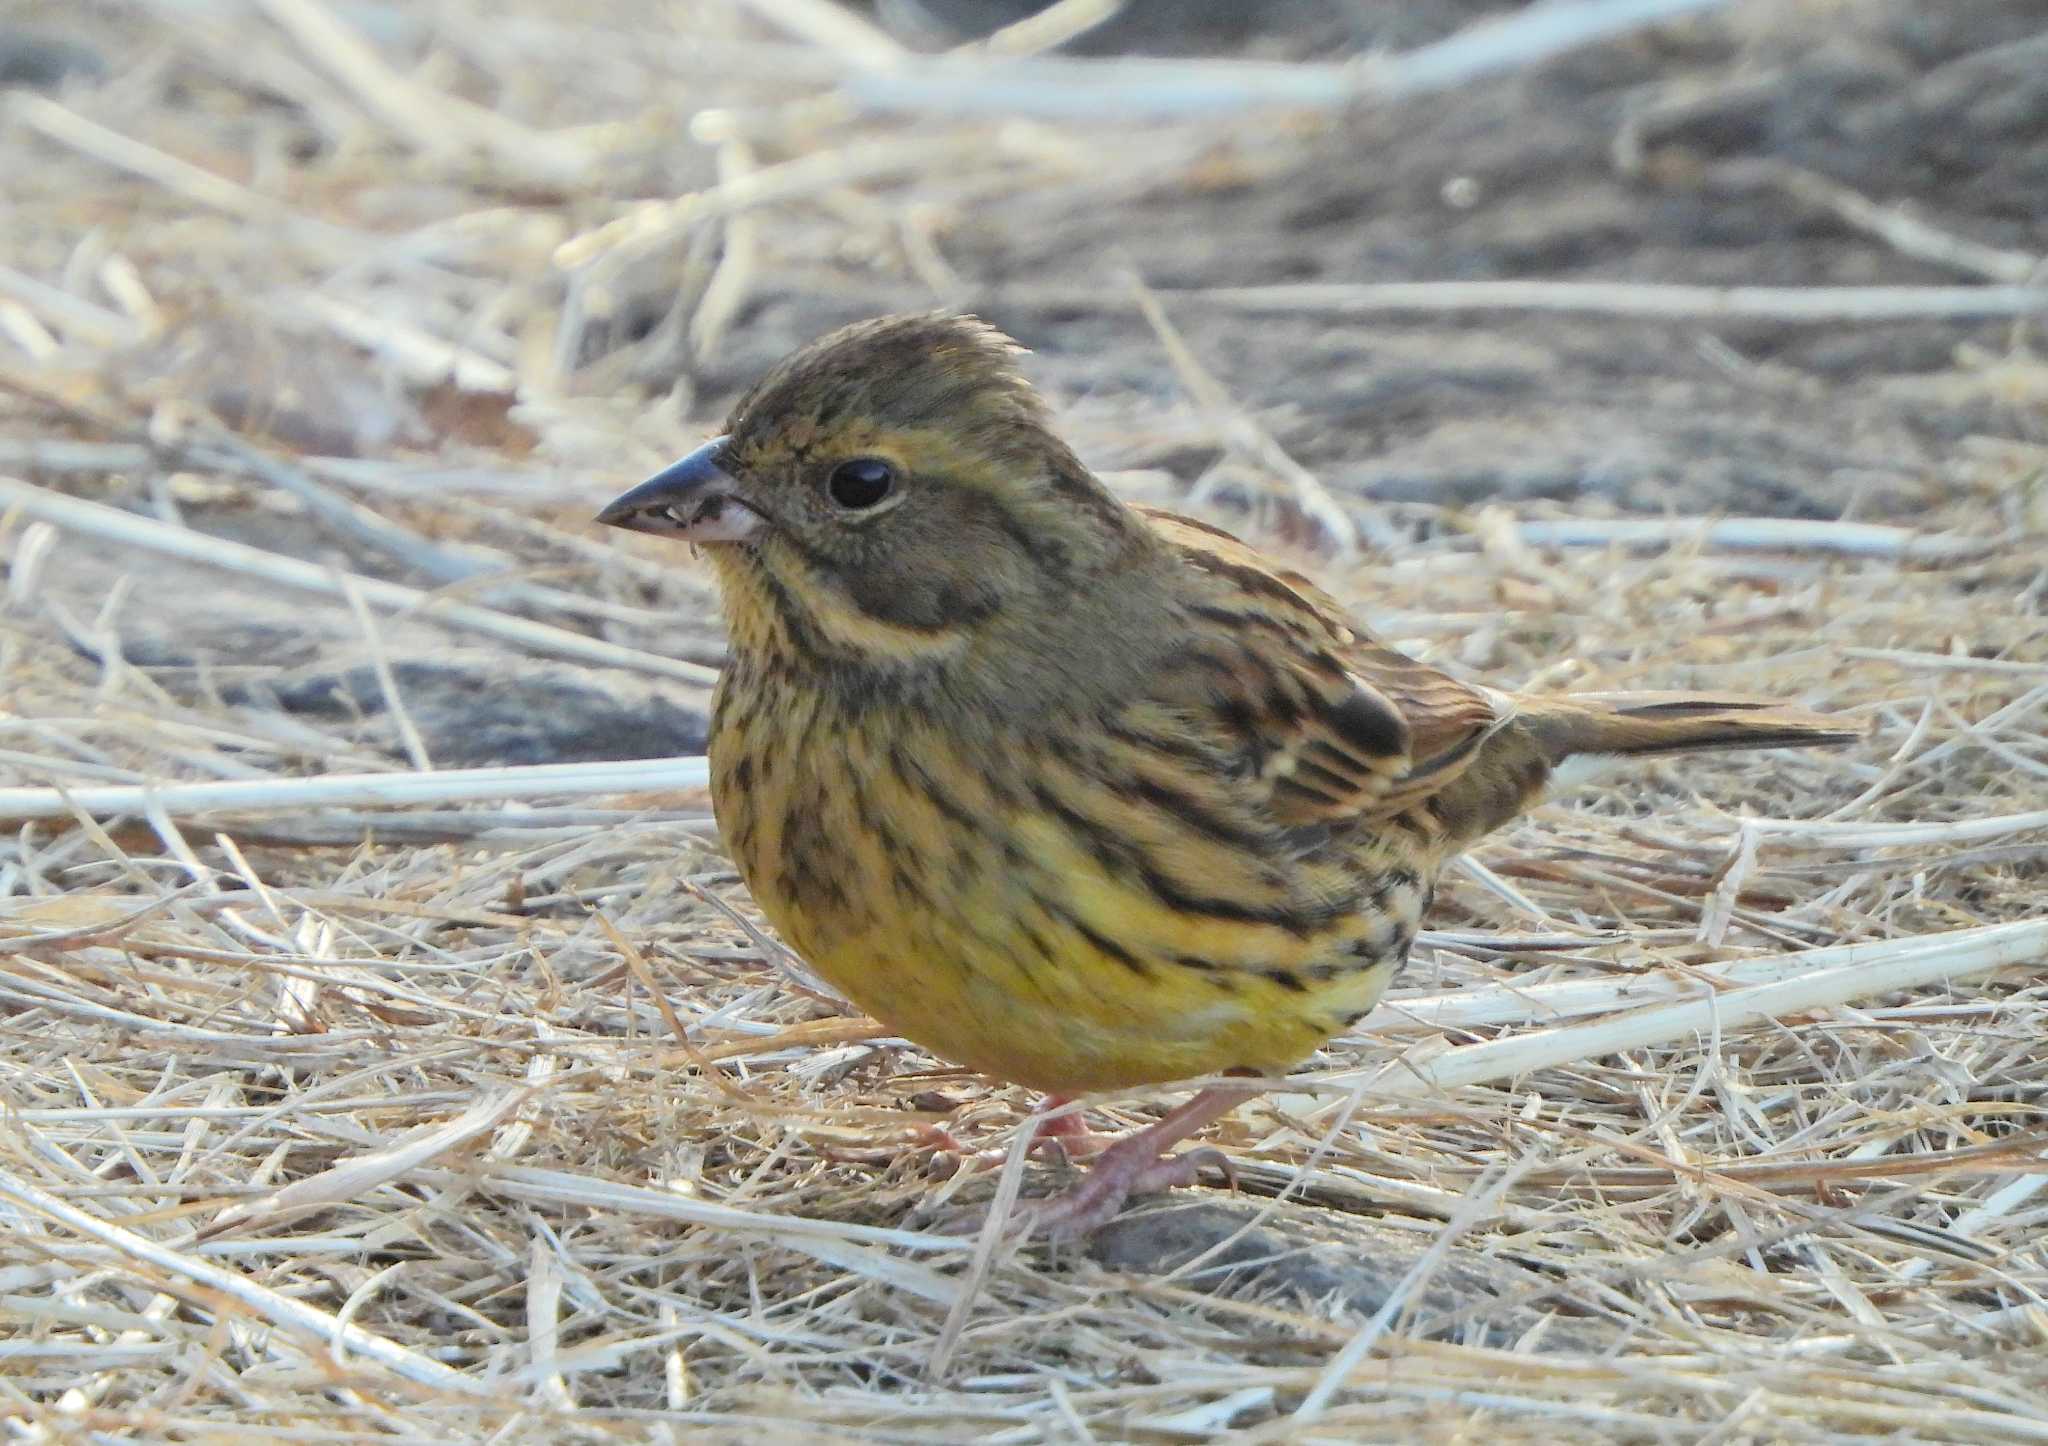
502 1118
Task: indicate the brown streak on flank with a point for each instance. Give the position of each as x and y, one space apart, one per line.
894 847
1040 945
1220 978
1114 851
1191 812
1287 980
920 778
1103 945
905 883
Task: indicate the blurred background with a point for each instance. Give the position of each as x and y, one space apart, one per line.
1326 269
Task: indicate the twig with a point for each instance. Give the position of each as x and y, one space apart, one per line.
220 447
1794 304
732 280
355 790
1901 230
1064 88
354 1177
387 681
308 1322
21 327
1948 662
1047 29
419 356
1758 534
72 315
180 177
651 225
1800 833
427 120
1869 969
1480 1205
1500 1005
559 1187
832 28
231 454
1241 431
113 525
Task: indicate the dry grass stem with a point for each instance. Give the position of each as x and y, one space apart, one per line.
1806 305
108 524
339 790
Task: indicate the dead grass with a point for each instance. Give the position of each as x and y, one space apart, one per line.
462 1110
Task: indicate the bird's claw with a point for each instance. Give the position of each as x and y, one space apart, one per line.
1095 1201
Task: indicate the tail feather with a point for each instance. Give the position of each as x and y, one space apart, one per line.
1648 723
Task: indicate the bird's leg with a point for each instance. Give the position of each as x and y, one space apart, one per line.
1059 1134
1066 1132
1137 1165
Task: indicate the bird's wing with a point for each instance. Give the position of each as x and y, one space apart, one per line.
1336 725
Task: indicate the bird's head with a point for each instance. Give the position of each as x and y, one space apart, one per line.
890 491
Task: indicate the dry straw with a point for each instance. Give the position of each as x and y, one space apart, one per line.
346 1098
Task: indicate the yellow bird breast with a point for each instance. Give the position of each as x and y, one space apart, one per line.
1018 916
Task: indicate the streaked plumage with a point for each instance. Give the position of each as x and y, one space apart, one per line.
1077 794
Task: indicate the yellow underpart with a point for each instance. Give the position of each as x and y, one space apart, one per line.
983 953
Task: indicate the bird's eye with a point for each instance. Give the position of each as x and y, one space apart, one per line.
861 483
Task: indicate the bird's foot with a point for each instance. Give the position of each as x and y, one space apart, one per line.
1060 1137
1130 1167
1135 1165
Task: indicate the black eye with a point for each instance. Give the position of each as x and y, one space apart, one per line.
860 483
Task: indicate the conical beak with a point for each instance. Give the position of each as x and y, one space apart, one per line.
694 500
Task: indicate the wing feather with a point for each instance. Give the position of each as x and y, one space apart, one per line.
1334 723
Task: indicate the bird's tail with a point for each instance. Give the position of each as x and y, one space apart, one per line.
1643 723
1549 742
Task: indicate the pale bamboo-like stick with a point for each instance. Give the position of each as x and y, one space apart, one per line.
1049 87
1805 304
1865 970
359 790
1757 534
111 524
1799 833
1494 1005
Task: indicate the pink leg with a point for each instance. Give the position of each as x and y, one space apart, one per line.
1069 1132
1136 1165
1057 1136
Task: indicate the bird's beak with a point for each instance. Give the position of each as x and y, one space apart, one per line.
694 500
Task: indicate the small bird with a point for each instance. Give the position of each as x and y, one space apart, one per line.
1078 794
